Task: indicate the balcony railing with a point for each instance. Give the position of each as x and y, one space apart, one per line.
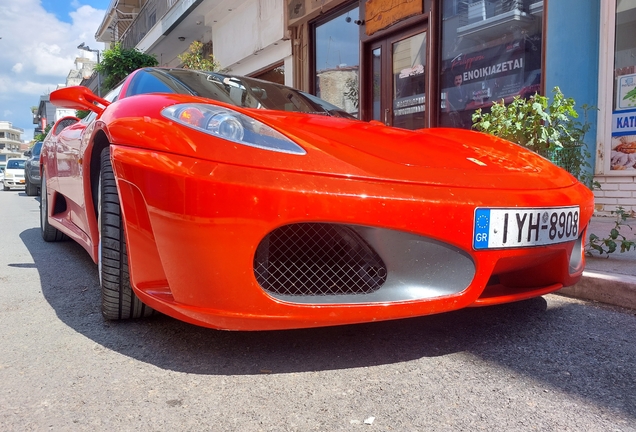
151 12
6 128
474 11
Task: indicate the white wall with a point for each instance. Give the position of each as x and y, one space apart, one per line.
254 26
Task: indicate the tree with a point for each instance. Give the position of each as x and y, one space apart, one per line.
194 59
41 136
118 62
80 114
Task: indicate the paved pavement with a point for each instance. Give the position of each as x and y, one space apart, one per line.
609 278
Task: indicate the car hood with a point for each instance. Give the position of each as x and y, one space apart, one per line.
345 148
436 156
14 171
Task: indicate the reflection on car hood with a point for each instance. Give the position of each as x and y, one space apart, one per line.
350 149
431 156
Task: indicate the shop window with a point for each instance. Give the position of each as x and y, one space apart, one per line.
491 51
337 60
623 156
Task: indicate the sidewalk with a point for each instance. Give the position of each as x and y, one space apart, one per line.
609 278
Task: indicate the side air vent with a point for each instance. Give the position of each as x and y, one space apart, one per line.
317 259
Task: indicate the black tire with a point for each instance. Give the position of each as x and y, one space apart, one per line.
5 187
118 299
49 233
30 188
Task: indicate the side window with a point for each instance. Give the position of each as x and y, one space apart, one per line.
144 83
113 95
89 118
64 123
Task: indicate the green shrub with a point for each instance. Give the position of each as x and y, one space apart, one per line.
118 62
194 59
548 127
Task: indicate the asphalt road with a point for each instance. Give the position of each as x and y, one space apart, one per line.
548 364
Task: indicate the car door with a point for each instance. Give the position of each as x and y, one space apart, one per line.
75 140
69 172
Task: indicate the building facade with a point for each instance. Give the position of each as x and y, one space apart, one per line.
10 142
420 63
43 115
615 163
10 137
247 37
432 63
46 113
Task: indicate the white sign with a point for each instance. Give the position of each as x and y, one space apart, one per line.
523 227
626 92
623 122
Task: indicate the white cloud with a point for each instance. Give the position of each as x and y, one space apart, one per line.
37 52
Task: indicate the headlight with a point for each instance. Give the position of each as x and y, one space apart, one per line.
232 126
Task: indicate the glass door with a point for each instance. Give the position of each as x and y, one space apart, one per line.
398 71
408 97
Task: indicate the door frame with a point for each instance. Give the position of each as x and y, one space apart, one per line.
385 38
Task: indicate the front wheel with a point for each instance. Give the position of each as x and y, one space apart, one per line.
118 299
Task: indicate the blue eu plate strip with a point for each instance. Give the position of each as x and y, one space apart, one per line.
482 228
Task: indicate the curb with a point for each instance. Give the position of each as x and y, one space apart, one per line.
617 290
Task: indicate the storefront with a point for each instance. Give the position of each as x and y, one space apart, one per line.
616 138
417 63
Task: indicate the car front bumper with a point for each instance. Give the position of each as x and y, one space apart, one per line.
193 228
14 183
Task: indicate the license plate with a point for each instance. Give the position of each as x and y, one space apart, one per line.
497 228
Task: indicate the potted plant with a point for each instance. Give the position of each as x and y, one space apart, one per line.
549 127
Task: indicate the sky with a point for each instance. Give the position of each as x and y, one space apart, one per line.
38 48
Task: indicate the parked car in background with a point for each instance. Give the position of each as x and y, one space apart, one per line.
235 203
6 155
32 170
14 174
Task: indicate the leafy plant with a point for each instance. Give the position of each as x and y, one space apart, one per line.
631 95
352 91
195 59
118 62
615 239
548 127
80 114
41 136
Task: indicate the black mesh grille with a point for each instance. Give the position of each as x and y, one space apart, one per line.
315 259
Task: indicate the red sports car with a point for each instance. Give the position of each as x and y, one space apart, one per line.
234 203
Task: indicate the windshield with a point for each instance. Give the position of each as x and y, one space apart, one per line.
240 91
37 148
15 164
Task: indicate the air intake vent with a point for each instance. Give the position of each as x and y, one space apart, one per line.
316 259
